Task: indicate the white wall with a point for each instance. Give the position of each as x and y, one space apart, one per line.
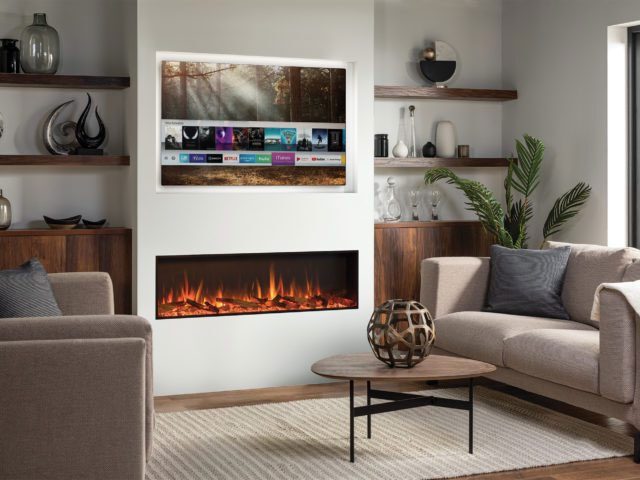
473 28
94 42
555 53
209 354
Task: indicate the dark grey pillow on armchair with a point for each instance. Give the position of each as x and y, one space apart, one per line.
26 292
527 282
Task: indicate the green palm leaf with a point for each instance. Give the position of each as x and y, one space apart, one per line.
565 207
480 200
526 171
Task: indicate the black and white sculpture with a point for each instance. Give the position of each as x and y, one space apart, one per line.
439 63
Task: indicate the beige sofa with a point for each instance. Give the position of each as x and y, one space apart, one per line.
589 364
76 398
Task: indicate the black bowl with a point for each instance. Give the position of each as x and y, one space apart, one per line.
96 224
63 223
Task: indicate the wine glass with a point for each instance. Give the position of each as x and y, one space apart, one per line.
436 198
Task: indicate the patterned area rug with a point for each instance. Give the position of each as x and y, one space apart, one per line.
309 439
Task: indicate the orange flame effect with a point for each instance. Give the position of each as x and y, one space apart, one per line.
190 299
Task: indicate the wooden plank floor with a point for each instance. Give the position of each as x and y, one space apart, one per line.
611 469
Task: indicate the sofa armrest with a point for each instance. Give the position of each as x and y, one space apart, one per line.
454 284
84 328
617 347
72 408
83 293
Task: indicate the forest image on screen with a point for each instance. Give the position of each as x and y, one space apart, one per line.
241 124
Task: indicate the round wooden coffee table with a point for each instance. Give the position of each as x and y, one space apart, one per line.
365 367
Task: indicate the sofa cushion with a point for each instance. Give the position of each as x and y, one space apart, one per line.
527 282
588 267
26 292
567 357
481 335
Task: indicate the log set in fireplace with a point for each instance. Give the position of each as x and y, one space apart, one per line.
236 284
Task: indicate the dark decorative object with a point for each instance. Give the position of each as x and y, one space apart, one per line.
5 212
63 223
440 66
40 47
381 145
65 129
90 145
26 292
94 224
429 150
463 151
401 333
527 282
9 56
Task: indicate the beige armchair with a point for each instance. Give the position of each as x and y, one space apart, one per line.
76 395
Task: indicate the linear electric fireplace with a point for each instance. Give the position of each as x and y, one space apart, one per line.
236 284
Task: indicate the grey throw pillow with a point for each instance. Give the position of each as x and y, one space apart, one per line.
26 292
527 282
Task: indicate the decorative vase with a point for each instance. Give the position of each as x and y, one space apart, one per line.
401 333
412 125
392 208
9 56
5 212
40 47
400 150
445 139
429 150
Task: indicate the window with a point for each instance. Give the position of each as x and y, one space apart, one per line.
634 136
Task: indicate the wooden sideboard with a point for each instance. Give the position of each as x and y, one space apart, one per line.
401 247
78 250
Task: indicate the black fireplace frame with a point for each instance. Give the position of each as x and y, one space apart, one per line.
355 282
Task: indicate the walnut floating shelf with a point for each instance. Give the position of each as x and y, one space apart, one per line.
48 232
390 162
63 81
65 160
479 94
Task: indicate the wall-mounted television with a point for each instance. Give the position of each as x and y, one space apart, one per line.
242 124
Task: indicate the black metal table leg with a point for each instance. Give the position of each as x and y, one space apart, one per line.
351 421
368 404
471 415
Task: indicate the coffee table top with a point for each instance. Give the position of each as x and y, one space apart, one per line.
364 366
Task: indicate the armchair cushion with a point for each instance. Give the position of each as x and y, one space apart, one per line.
26 292
588 267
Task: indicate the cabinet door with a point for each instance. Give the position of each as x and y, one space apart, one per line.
104 253
50 251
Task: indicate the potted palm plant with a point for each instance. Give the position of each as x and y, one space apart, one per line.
510 225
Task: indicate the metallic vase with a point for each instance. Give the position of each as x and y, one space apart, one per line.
5 212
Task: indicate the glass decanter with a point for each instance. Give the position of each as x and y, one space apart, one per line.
392 208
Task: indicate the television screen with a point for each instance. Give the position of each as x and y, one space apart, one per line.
242 124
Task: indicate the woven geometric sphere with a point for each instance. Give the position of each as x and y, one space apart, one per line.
401 333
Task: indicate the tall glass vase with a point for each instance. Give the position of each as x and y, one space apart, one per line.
40 47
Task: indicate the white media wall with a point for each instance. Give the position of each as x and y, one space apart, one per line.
213 354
